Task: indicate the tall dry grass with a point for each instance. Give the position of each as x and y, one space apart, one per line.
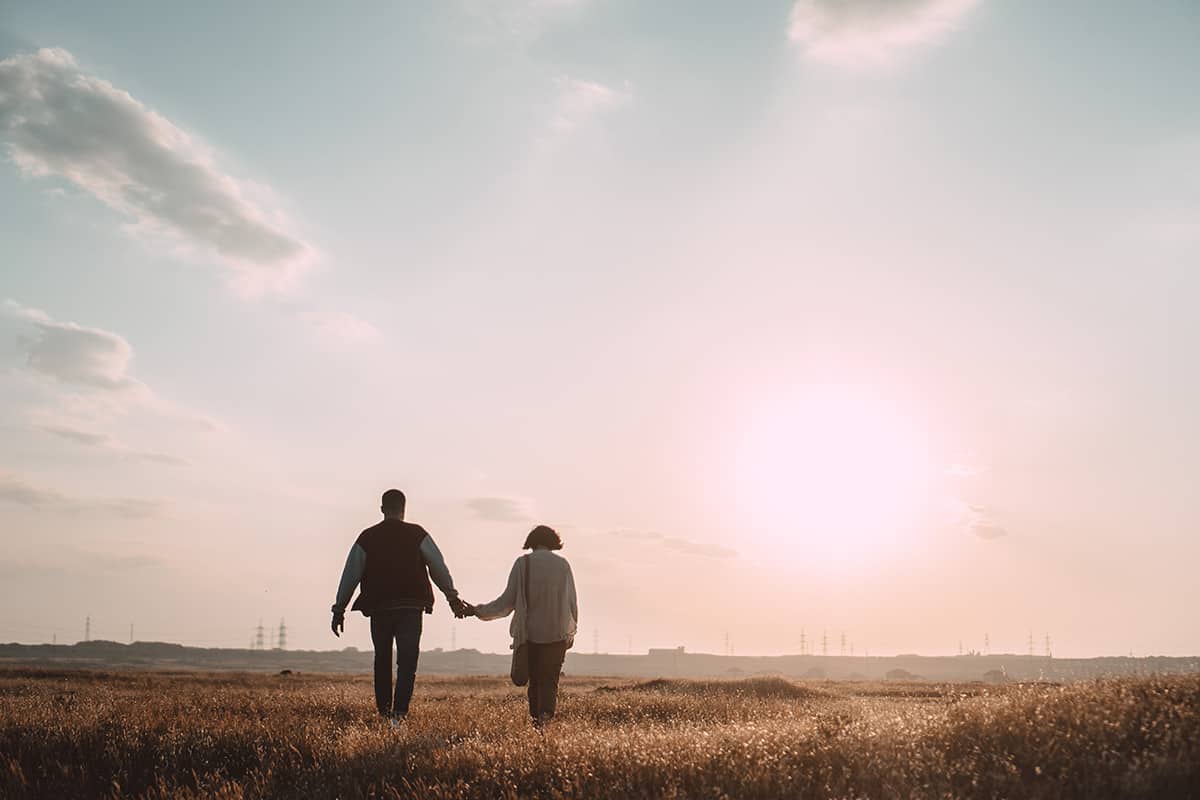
68 734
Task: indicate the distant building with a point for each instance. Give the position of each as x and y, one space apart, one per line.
665 651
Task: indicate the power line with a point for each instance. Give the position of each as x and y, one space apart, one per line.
282 635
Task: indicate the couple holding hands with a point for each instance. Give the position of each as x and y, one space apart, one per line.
393 563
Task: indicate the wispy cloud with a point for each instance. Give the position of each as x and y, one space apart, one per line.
681 545
982 522
987 530
579 100
75 354
84 376
18 492
521 21
103 441
60 121
501 509
871 32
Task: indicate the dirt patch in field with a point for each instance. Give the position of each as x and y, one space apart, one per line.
752 687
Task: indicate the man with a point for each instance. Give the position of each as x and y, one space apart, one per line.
394 561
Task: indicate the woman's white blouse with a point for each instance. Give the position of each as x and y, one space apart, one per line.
550 613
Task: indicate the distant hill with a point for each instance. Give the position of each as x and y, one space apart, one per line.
657 663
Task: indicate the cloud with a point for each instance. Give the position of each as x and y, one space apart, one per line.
86 438
521 21
501 509
871 32
340 327
678 544
987 530
60 121
17 492
83 377
104 441
579 100
74 354
982 523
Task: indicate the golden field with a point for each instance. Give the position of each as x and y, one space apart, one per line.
140 734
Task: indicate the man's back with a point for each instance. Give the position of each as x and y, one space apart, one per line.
394 575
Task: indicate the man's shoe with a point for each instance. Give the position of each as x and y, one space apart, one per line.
397 723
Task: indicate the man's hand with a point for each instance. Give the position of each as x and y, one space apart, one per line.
460 608
339 623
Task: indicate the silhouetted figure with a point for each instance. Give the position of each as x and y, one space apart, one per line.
546 618
394 561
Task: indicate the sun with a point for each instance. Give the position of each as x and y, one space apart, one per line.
832 472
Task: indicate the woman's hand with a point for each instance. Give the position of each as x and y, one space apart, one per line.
460 608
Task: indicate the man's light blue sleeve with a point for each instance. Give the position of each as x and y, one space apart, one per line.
437 567
356 564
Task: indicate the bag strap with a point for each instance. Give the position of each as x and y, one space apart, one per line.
527 565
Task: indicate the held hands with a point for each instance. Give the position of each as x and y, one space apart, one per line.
461 608
339 623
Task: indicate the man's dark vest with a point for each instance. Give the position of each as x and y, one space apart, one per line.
396 575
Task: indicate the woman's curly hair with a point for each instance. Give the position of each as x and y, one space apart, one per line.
543 536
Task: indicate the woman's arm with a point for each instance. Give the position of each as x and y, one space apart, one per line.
571 594
503 605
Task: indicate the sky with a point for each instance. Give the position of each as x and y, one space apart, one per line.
797 318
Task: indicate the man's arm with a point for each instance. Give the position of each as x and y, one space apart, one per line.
356 564
437 567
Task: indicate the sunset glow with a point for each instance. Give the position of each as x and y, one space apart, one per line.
834 470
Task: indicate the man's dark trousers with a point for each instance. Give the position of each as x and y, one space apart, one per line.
402 626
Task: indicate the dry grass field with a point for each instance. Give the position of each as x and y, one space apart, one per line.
134 734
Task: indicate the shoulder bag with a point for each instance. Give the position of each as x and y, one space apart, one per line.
520 656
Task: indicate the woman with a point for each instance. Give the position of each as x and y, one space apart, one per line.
545 620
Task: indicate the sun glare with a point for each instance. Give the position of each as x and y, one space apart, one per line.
833 471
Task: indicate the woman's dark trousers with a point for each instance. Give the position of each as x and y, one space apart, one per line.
545 665
402 626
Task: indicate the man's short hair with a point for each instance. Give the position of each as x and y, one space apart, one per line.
393 502
543 536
